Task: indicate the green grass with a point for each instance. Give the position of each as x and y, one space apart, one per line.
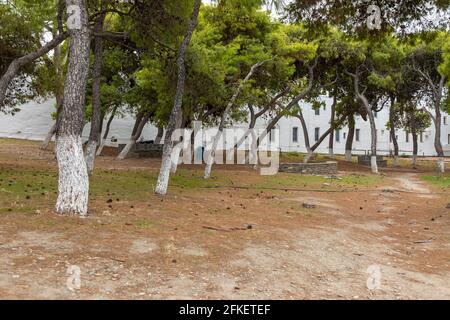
442 181
290 180
25 190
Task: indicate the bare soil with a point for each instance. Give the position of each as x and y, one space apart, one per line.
228 242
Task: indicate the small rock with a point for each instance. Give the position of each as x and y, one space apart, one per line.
448 206
309 206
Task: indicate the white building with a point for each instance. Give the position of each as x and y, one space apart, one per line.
34 121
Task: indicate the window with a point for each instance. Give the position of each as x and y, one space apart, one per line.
295 134
449 139
317 134
407 136
317 111
357 131
345 135
445 121
375 114
270 136
338 135
421 137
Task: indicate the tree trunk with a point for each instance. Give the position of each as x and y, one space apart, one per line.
73 185
136 135
415 142
392 132
105 135
293 102
331 140
211 156
373 127
373 133
164 174
96 120
59 94
17 64
159 135
306 137
350 138
437 139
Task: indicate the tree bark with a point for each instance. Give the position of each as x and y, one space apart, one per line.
159 135
136 135
350 138
210 157
331 140
105 135
96 120
373 127
415 141
17 64
164 174
73 184
438 126
392 132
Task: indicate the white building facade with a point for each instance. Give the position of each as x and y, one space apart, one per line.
34 121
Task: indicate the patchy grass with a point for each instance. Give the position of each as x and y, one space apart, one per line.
304 181
442 181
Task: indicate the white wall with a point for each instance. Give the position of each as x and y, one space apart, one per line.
34 121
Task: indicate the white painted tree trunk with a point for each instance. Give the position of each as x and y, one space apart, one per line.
208 168
176 114
308 156
396 161
91 148
73 184
176 157
125 151
441 165
414 161
164 175
100 148
331 153
374 164
348 156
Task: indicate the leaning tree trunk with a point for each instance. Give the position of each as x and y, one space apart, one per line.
392 132
309 153
211 157
350 138
105 135
73 185
17 64
164 173
373 127
177 150
134 137
96 120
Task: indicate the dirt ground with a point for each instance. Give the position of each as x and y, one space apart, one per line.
240 236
